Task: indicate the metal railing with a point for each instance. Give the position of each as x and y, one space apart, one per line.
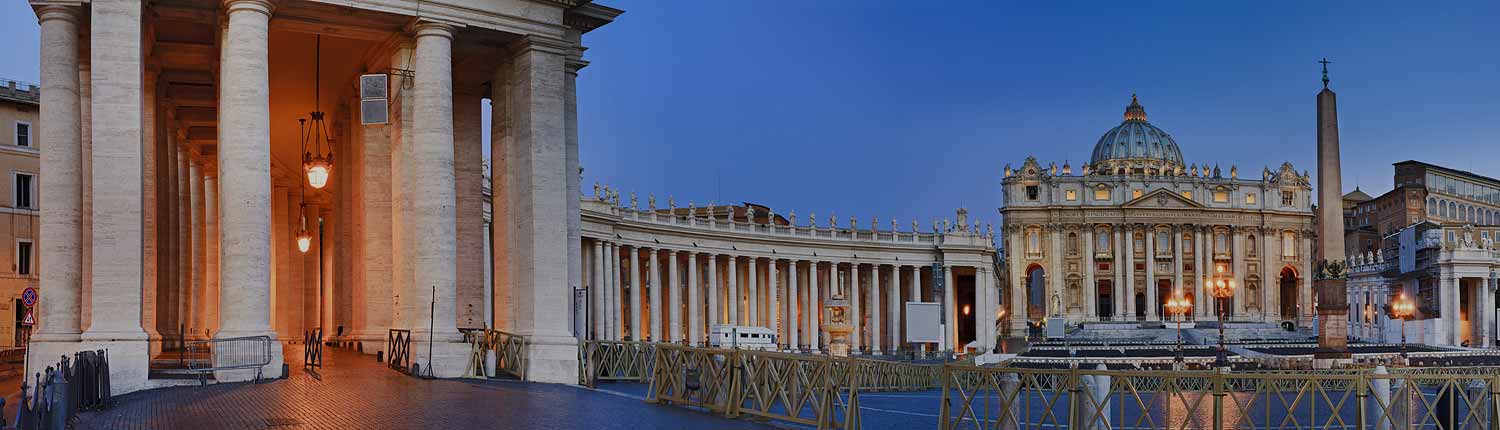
312 351
883 375
398 350
820 391
614 361
81 383
510 352
235 353
1012 398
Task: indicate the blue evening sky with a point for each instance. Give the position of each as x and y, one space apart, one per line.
911 109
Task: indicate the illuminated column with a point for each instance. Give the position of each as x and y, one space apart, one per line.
713 291
893 307
1201 271
62 193
734 290
695 300
875 311
752 278
1118 293
653 272
1177 260
211 249
1129 268
596 286
950 333
794 295
1151 273
196 318
633 260
772 310
1090 287
673 301
814 307
1237 249
857 340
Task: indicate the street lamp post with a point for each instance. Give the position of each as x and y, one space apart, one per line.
1222 289
1403 308
1178 306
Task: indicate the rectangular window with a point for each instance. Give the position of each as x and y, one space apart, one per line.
23 191
1032 193
1101 193
1135 194
23 258
1249 199
1288 244
1221 196
1072 195
23 134
1287 198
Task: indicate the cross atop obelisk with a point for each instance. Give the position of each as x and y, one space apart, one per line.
1333 303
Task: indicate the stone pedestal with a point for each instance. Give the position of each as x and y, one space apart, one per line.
1333 325
552 359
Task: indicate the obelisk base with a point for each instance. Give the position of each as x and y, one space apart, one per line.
1333 327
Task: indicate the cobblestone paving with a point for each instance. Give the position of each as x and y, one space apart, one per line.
356 392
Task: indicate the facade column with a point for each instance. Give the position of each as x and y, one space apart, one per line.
734 290
245 182
814 307
1090 287
211 291
894 307
856 305
468 208
615 289
325 239
428 230
196 317
1177 288
752 277
183 198
653 273
62 193
633 257
376 309
950 332
1055 286
1237 249
1151 273
597 290
714 317
794 295
772 290
1118 262
673 301
695 301
310 264
1201 271
875 318
982 314
1129 268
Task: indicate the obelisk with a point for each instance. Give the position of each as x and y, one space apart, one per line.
1333 302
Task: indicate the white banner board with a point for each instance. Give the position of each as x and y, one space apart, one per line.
922 322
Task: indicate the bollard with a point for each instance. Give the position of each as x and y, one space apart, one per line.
1010 388
57 400
1381 388
1101 395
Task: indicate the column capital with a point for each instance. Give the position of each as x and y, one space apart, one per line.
263 6
425 27
58 10
545 44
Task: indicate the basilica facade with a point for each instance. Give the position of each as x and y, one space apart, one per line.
1138 225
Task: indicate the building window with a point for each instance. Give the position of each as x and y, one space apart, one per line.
1250 245
1187 243
1103 241
1163 242
23 191
1072 195
1250 199
1135 194
1187 195
1288 244
23 134
1140 243
1101 193
23 257
1221 242
1286 198
1221 195
1032 193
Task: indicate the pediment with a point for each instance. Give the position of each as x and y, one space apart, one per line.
1162 199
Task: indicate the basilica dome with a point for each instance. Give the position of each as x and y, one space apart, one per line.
1136 146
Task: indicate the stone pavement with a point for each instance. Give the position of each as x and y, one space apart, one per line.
356 392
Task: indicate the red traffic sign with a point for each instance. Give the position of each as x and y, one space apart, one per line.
29 320
29 297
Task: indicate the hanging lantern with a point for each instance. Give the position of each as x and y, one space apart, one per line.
317 165
304 238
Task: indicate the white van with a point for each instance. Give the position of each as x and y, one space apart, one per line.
742 337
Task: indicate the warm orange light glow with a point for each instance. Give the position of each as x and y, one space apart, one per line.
966 310
304 242
318 171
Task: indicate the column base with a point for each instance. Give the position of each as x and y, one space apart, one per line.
128 360
552 359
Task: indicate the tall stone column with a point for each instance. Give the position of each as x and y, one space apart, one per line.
713 291
596 291
310 264
1090 287
982 314
1239 246
184 199
375 309
876 334
856 305
196 318
633 256
1201 270
794 295
153 140
1129 268
695 300
1119 292
734 291
673 301
654 286
245 183
615 288
327 246
950 333
773 304
1177 261
814 306
468 209
211 291
281 274
752 305
1333 305
168 292
1151 274
893 307
62 193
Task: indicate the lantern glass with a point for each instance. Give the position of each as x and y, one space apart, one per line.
304 242
317 173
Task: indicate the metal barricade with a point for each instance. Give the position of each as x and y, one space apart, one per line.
77 384
820 391
312 351
235 353
510 352
398 350
883 375
603 360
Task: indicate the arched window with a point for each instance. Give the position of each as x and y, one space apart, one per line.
1431 206
1187 243
1163 242
1250 245
1033 242
1102 241
1288 244
1221 241
1072 243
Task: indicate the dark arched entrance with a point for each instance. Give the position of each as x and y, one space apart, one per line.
1288 293
1105 299
1036 292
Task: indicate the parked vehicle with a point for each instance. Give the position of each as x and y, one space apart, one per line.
741 337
